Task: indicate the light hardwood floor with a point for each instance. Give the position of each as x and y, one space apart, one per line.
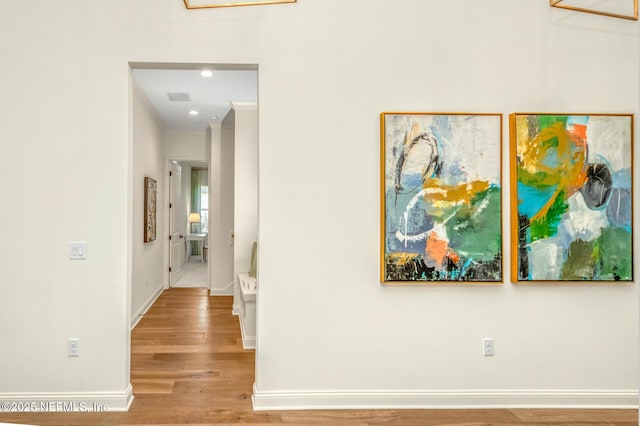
188 368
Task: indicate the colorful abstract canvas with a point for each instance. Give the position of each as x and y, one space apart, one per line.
571 183
441 198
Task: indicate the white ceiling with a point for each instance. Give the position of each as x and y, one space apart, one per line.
210 96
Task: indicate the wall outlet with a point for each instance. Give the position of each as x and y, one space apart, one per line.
488 348
73 347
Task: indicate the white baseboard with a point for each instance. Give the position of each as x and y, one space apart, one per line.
248 342
446 399
139 313
227 291
68 402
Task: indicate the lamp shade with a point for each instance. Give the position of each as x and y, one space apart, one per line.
194 218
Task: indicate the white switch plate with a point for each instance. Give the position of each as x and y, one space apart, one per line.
78 250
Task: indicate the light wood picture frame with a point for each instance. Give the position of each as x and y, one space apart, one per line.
571 197
613 9
441 192
212 4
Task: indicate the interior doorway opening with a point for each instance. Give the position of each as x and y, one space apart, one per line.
188 209
179 127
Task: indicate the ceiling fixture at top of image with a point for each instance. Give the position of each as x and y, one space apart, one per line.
193 112
206 73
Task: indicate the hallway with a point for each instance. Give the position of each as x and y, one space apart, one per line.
193 273
188 367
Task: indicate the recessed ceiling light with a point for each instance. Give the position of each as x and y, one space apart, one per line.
206 73
214 117
193 112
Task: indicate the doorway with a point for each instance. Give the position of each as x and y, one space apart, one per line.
182 115
189 205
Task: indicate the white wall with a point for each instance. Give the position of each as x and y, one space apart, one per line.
183 145
329 333
148 161
245 217
327 69
222 205
80 165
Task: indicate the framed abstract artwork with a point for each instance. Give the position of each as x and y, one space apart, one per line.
571 197
211 4
441 198
150 194
623 9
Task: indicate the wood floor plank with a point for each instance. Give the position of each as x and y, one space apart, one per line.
575 415
188 367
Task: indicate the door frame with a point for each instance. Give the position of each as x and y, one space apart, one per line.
167 225
131 65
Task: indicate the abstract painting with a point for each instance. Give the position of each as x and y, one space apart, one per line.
441 198
150 194
571 204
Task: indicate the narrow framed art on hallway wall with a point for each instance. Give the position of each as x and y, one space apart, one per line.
150 195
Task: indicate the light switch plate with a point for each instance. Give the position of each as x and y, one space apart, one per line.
78 250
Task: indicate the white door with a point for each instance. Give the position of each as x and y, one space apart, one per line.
176 239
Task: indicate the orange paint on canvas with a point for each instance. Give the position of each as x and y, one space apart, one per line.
436 249
453 256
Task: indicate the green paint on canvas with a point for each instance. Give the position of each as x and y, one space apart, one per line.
547 226
540 180
549 120
613 251
580 261
474 230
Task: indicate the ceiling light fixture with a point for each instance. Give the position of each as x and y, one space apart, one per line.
206 73
193 112
214 117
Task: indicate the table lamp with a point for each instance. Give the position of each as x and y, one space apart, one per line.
194 218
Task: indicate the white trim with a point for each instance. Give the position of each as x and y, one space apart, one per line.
69 402
235 310
243 105
444 399
227 291
135 319
248 342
